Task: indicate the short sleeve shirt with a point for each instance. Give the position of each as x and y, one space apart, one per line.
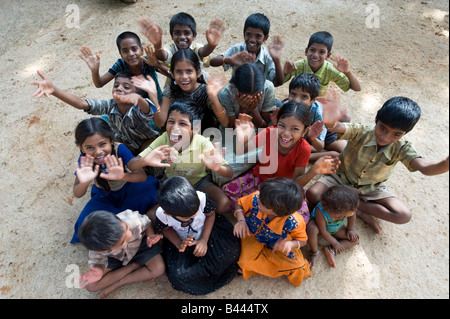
133 128
325 74
187 163
273 164
137 223
227 97
193 227
362 165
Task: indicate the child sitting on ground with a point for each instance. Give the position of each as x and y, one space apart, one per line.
129 113
305 88
250 93
103 163
256 32
122 250
317 52
370 157
132 61
188 84
183 30
193 155
199 247
272 232
327 219
285 152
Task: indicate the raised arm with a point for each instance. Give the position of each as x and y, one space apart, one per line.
275 50
153 32
213 158
215 84
343 66
244 130
148 85
332 112
46 87
152 60
213 36
430 169
154 158
324 165
93 62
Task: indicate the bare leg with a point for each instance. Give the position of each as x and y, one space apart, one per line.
313 233
390 209
150 271
341 236
313 194
218 195
369 220
316 155
337 146
331 256
112 276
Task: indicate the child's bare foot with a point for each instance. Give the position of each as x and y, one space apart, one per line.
331 256
313 259
369 220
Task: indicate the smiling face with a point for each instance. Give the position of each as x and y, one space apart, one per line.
131 52
316 54
179 130
183 36
186 76
98 147
290 131
386 135
254 39
123 86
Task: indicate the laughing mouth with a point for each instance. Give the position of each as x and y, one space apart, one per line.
285 140
175 137
100 159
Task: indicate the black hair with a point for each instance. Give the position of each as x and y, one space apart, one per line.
322 37
282 195
400 113
340 199
248 79
184 55
90 127
184 107
297 109
178 197
128 35
129 75
100 231
307 82
257 21
183 18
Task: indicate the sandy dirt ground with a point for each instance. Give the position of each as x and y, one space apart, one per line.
394 47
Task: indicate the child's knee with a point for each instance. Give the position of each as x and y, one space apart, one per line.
312 229
223 204
403 216
156 266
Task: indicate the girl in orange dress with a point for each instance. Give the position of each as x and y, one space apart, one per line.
272 231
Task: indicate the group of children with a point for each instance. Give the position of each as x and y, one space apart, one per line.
154 174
